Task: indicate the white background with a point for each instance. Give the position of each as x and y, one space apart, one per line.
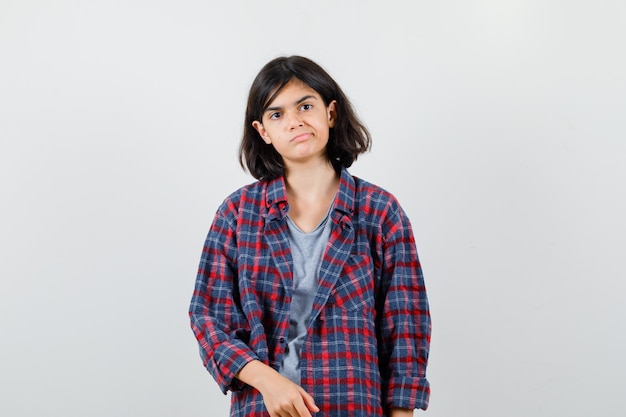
499 125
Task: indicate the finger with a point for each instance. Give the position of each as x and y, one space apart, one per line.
284 410
301 410
309 401
282 413
293 412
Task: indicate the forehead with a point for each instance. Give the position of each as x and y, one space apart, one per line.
290 93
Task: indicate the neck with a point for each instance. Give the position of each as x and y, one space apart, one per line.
311 181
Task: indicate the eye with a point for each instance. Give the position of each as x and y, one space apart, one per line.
306 107
274 115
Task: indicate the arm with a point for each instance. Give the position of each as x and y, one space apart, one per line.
216 317
404 318
222 330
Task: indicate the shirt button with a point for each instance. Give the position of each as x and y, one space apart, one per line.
281 340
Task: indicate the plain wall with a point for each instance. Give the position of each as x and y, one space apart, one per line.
499 125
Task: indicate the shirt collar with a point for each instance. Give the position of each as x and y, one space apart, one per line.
345 196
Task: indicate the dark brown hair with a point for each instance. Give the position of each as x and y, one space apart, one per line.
347 139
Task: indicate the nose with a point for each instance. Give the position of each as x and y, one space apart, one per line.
293 120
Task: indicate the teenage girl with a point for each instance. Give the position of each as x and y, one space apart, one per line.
310 298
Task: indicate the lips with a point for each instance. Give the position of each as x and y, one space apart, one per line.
301 137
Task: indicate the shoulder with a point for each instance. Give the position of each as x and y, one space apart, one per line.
380 211
375 199
250 197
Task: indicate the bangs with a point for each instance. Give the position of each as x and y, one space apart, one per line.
273 92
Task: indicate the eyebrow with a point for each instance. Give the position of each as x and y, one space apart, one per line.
305 98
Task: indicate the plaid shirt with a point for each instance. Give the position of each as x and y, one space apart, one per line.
369 330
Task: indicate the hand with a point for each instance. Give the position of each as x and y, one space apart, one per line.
281 396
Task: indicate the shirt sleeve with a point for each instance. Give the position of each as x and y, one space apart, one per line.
217 319
405 324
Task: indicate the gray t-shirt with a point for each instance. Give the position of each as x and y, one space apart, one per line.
307 250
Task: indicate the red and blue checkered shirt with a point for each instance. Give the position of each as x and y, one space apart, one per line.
369 331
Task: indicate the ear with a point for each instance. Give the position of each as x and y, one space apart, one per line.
262 132
332 113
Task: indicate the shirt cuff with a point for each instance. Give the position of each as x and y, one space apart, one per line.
229 358
408 392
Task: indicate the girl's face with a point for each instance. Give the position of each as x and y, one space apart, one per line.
297 124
